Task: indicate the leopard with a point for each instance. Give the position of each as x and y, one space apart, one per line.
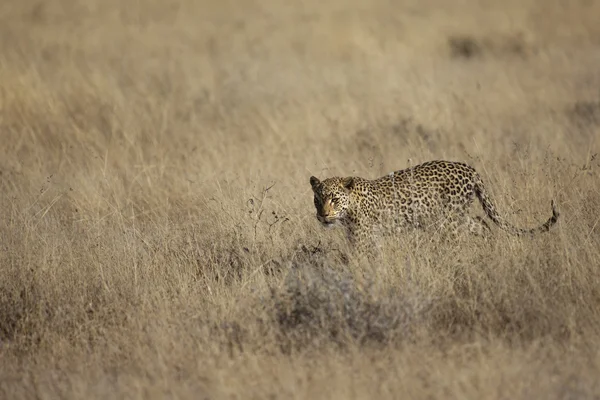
434 194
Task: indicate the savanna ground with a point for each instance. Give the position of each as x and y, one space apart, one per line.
158 236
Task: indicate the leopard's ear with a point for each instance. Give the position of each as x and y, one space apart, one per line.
314 182
348 182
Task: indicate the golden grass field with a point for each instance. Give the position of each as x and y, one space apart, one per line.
158 236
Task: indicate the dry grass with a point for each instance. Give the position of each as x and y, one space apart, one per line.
157 230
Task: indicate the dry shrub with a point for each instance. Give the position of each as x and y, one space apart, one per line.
324 306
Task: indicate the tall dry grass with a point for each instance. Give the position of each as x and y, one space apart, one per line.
158 236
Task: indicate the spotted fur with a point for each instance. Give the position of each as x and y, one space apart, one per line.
433 194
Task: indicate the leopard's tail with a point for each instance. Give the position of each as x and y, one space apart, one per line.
491 212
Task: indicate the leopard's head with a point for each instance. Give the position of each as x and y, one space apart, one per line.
332 198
